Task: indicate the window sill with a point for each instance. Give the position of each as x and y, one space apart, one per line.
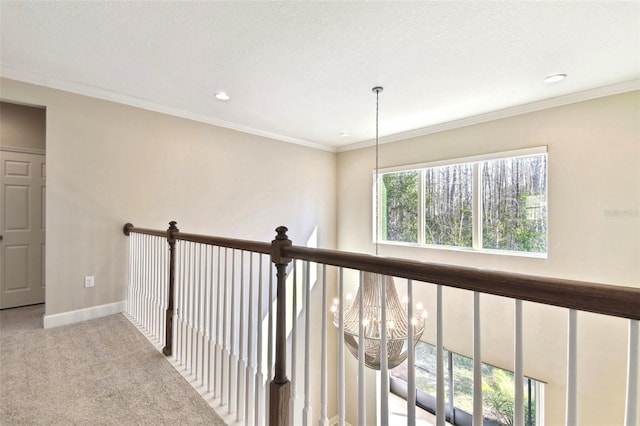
532 255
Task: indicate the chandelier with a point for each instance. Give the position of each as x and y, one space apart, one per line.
396 322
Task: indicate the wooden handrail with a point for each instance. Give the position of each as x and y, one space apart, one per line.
614 300
247 245
128 228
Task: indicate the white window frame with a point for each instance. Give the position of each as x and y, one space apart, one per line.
476 161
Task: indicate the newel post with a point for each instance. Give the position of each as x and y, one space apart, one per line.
280 386
168 330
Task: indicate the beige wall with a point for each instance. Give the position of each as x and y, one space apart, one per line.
594 235
109 164
22 126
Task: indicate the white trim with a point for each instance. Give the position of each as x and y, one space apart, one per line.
79 315
524 152
571 98
22 150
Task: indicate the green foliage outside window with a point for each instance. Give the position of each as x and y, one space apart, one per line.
400 206
498 385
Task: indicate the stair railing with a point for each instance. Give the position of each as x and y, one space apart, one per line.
152 289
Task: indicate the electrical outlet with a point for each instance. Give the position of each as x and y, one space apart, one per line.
89 281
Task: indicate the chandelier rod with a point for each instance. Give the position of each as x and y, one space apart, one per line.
377 91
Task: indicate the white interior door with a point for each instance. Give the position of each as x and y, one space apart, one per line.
22 227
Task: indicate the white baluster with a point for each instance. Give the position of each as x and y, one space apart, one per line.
152 287
477 362
139 282
185 304
384 363
572 368
270 332
133 279
250 371
440 408
225 363
165 293
341 371
189 307
184 311
258 389
177 303
132 274
206 312
219 327
179 300
213 330
232 345
631 409
145 305
202 308
518 412
362 416
158 289
200 315
197 284
192 307
294 346
150 284
155 289
411 360
306 412
323 421
241 362
142 270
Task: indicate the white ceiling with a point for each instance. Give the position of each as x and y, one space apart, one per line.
303 71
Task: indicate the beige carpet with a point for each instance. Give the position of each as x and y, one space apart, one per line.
98 372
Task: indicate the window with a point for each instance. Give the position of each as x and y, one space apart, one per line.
497 388
493 202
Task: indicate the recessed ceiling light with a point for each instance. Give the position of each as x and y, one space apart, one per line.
345 134
222 96
555 78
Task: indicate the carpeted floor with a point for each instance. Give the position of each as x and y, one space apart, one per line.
98 372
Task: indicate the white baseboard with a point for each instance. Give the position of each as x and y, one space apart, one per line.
71 317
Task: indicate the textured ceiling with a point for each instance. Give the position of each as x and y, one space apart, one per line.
303 71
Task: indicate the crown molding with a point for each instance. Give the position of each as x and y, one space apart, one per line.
599 92
107 95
